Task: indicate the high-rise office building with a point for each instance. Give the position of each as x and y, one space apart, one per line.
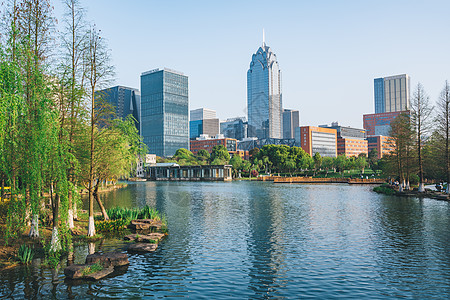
290 122
392 93
202 114
125 100
264 98
235 128
165 111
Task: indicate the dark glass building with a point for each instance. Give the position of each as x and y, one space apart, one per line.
125 100
165 111
291 120
264 95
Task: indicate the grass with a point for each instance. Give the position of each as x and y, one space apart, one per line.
25 254
94 268
129 214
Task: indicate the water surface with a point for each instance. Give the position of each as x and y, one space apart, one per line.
263 240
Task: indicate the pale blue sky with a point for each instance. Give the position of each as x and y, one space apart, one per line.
329 51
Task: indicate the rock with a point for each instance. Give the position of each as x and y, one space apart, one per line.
114 259
142 247
74 271
149 238
146 238
145 224
100 274
130 237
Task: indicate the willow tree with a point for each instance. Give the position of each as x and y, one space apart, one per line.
421 119
98 72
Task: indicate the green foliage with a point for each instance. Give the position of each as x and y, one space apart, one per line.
53 258
219 155
414 179
384 189
111 225
94 268
128 214
25 254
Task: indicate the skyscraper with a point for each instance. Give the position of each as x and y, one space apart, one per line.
290 122
202 113
165 111
126 101
392 93
264 99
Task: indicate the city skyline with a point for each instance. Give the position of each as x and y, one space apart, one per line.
329 53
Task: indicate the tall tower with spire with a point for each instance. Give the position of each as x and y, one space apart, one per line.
264 97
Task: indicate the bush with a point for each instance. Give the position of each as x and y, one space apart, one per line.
25 254
414 179
384 189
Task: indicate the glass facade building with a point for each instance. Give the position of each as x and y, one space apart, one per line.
235 128
392 93
165 111
125 100
291 120
264 97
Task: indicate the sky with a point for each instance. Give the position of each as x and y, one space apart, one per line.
329 52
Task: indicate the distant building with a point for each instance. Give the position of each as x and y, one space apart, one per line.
392 94
208 144
202 113
125 100
245 155
318 140
165 111
350 141
291 119
206 126
383 144
264 98
379 124
235 128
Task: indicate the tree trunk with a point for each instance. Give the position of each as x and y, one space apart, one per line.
70 210
2 194
55 243
100 204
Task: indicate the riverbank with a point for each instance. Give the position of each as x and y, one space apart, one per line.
8 252
387 189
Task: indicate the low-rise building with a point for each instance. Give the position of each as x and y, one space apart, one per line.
380 124
207 144
383 144
350 141
318 140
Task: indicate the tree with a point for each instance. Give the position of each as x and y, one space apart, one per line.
236 161
360 163
317 161
373 158
203 156
401 159
73 40
98 72
443 130
421 117
219 155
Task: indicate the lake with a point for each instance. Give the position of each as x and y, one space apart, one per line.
263 240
